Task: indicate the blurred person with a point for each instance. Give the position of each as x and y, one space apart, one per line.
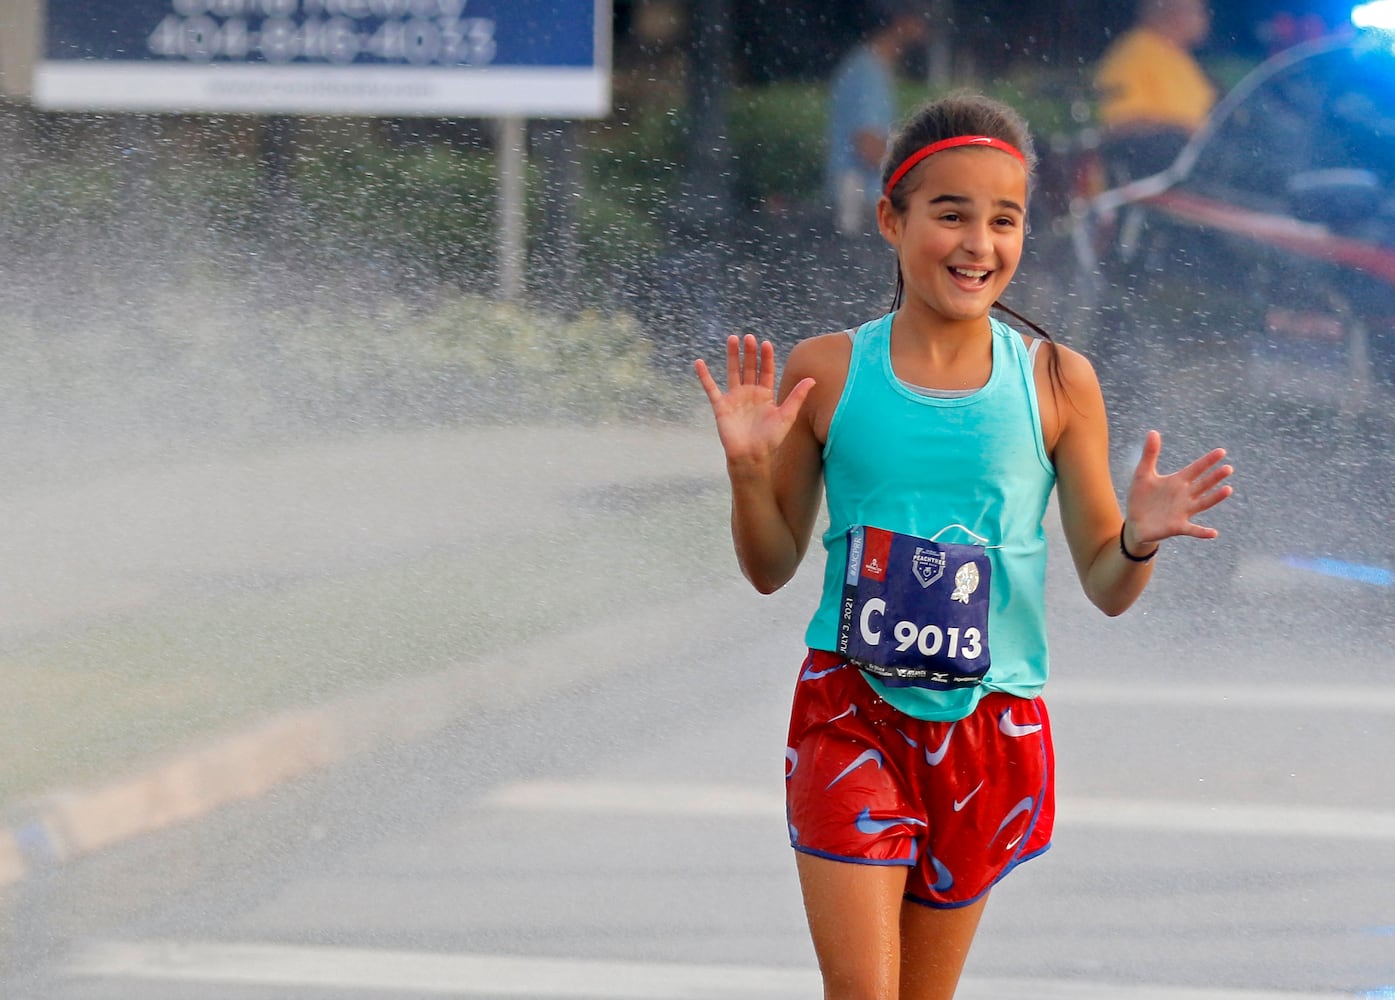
862 112
1285 29
919 761
1153 93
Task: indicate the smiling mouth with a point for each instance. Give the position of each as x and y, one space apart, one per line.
971 275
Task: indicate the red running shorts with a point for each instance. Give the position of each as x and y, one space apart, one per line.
959 804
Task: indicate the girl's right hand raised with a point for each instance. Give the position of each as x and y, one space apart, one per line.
750 423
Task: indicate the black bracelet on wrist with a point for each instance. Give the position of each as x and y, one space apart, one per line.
1129 555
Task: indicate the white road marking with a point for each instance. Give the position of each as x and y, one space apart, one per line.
1248 819
424 972
646 798
639 798
284 966
1240 697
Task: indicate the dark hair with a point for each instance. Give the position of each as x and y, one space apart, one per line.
882 14
961 113
958 114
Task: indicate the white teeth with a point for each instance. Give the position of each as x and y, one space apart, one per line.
969 272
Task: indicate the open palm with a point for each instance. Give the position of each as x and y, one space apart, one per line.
750 423
1162 506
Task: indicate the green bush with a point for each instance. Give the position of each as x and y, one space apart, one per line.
779 140
207 354
467 357
50 195
427 203
775 136
434 206
635 156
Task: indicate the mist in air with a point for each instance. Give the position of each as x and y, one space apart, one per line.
370 620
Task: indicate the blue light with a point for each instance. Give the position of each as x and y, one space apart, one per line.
1378 14
1383 993
1344 570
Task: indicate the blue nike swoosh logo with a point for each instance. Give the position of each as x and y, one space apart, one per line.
1024 806
866 757
1010 728
933 758
944 881
866 824
810 674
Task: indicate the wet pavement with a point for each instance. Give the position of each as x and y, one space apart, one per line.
615 828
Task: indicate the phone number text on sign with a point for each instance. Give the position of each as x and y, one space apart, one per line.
421 33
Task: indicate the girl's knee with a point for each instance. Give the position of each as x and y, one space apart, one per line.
845 989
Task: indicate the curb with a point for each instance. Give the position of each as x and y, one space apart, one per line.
71 824
65 826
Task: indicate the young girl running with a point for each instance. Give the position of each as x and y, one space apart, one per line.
919 762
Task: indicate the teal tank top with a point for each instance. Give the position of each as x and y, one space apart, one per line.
909 462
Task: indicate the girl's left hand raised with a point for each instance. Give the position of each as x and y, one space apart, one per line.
1160 507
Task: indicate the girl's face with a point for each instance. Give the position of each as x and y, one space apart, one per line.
960 238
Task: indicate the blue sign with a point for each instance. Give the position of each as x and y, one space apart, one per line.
527 58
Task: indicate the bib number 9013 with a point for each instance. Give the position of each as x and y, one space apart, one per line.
929 640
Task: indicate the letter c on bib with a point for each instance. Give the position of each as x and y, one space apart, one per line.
875 606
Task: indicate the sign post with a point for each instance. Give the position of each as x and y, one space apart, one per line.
511 135
506 59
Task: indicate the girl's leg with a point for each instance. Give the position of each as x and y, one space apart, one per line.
855 921
934 945
871 943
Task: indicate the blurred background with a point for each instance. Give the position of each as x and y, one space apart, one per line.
368 621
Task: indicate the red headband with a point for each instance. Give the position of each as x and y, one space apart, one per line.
958 140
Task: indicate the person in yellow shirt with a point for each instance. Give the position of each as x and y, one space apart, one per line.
1153 93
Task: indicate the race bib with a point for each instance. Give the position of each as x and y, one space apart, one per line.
915 610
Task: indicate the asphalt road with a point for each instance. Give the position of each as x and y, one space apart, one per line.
1226 830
